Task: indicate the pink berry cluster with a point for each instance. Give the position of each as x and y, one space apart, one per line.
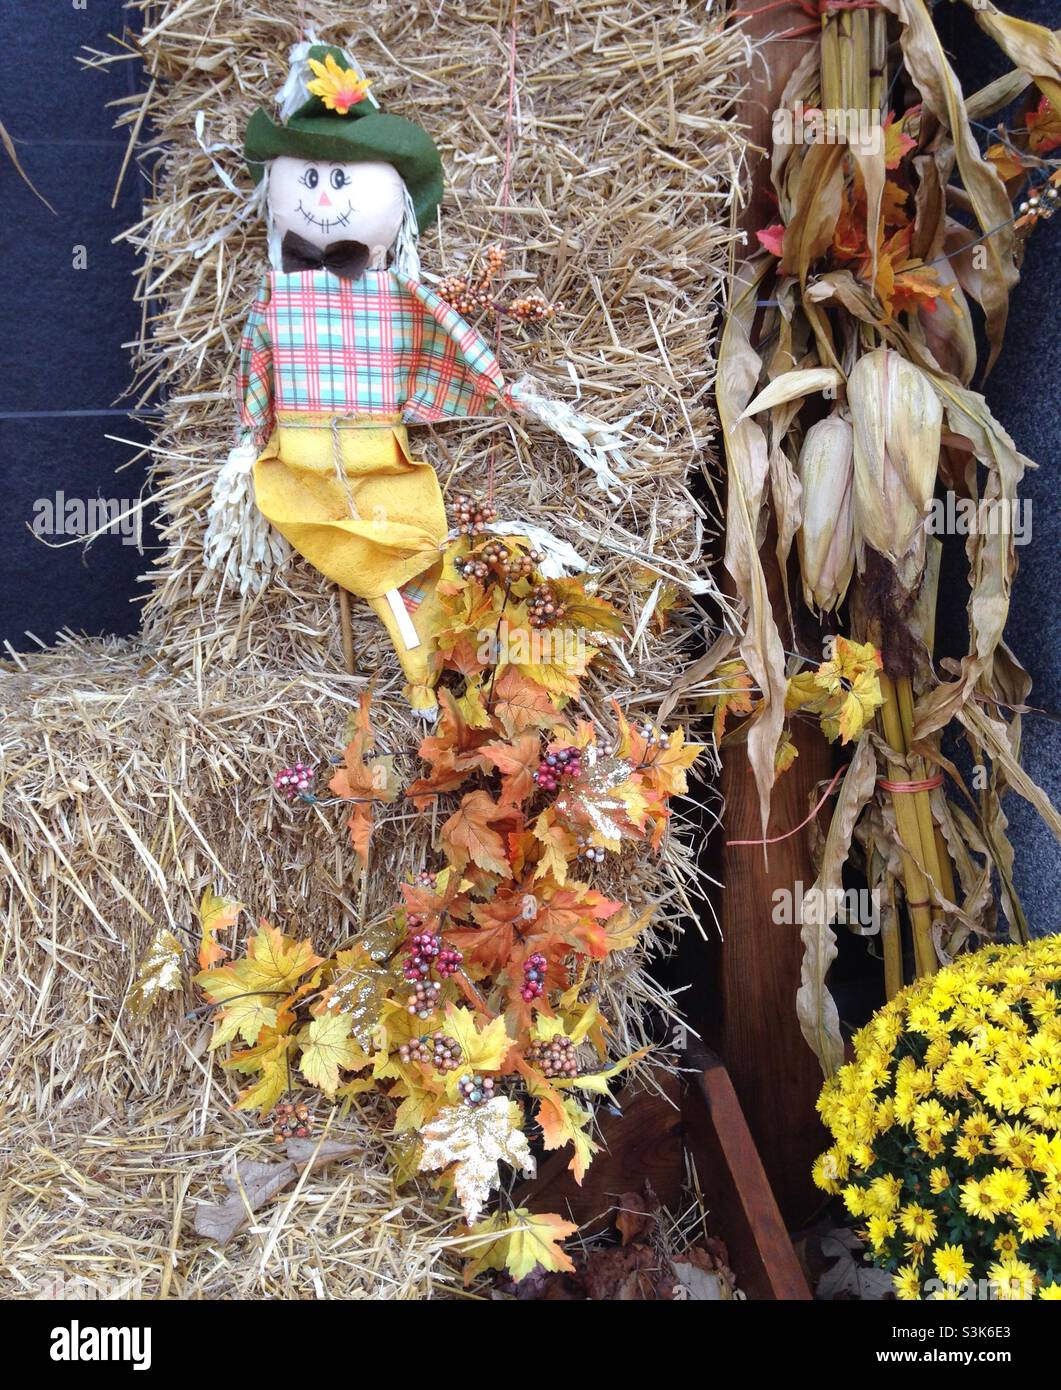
435 1049
423 999
565 762
474 1090
534 968
556 1058
295 781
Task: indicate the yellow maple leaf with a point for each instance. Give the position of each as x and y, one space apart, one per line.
270 1059
785 754
668 765
559 846
275 961
328 1049
215 913
482 1050
519 1241
857 707
250 990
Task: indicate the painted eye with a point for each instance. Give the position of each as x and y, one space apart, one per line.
311 179
339 179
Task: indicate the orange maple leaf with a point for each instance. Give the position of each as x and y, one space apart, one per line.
451 752
520 703
896 142
362 782
1044 128
517 762
572 915
469 834
490 944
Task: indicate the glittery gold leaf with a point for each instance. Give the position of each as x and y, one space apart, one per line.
476 1138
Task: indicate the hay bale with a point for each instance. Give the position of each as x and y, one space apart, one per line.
134 774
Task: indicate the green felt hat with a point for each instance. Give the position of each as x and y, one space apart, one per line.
363 133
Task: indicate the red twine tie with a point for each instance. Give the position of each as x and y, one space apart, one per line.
927 784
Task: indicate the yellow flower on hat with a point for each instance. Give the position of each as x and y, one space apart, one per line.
339 88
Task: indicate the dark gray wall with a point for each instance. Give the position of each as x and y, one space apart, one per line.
62 361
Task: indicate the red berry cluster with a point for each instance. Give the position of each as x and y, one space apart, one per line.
473 567
296 781
473 514
497 561
534 968
544 609
554 1058
291 1122
434 1049
422 948
424 879
474 1090
565 762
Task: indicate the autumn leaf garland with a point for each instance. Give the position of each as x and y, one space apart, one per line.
484 977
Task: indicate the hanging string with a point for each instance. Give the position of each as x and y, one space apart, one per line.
776 839
506 179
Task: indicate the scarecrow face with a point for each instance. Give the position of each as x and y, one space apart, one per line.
325 203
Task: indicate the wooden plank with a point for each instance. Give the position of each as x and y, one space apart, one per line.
753 1013
741 1204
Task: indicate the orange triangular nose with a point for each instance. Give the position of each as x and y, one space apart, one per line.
325 201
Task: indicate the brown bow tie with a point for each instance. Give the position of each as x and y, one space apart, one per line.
347 259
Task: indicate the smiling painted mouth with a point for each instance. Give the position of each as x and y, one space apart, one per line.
325 224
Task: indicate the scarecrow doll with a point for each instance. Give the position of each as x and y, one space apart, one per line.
345 347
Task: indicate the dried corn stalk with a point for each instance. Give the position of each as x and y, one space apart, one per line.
845 400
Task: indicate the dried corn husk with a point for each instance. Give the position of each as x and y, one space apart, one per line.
826 538
897 421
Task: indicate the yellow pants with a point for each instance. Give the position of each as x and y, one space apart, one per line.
348 496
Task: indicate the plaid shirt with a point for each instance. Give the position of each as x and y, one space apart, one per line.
378 345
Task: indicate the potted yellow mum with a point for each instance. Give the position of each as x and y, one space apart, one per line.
947 1129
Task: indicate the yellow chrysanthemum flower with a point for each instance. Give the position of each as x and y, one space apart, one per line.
917 1222
938 1180
950 1264
1013 1280
1052 1292
339 88
1007 1243
907 1281
880 1230
978 1125
883 1195
977 1201
1007 1188
1031 1221
1013 1143
968 1148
